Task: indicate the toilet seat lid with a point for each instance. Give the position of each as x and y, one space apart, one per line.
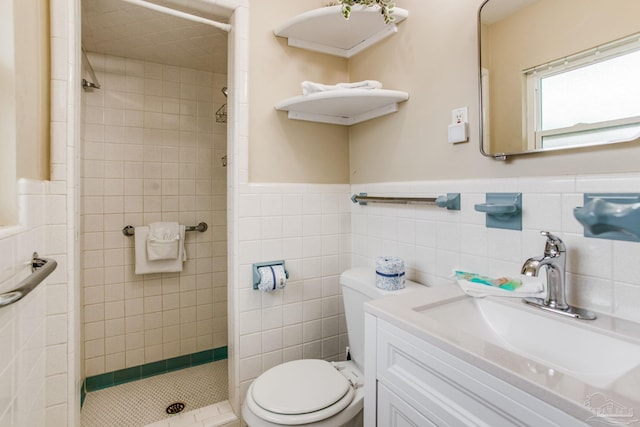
299 387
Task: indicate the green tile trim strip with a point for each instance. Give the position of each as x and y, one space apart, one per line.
83 395
99 382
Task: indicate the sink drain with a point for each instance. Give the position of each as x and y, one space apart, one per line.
175 408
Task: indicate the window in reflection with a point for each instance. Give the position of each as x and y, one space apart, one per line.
591 97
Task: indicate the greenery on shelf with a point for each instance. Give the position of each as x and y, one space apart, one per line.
386 7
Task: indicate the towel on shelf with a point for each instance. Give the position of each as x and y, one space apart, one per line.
479 286
146 266
313 87
163 241
365 84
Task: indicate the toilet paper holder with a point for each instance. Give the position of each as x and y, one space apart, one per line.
256 274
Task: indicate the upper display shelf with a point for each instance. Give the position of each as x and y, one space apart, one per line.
325 29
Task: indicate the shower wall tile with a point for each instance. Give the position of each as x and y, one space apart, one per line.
148 155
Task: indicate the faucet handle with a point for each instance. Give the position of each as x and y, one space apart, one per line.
554 244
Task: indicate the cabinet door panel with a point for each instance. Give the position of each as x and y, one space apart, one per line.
438 384
394 412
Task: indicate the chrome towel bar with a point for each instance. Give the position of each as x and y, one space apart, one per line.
40 269
450 201
130 230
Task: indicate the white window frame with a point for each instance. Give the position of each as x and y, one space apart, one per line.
532 83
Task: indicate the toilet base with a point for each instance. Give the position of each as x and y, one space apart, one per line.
357 421
251 420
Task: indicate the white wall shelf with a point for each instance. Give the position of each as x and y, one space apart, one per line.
343 107
325 29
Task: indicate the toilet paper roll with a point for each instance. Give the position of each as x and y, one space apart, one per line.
389 273
272 277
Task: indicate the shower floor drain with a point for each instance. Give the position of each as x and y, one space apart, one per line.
175 408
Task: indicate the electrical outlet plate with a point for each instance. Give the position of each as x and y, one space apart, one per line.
460 115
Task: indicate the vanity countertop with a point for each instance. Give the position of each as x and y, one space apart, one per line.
560 389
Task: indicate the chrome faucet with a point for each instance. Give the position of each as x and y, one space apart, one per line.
555 261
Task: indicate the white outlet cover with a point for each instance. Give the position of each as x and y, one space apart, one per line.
463 112
458 133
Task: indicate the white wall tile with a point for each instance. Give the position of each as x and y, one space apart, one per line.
250 345
570 224
473 240
250 367
626 268
541 211
272 340
592 292
302 223
592 257
56 391
447 240
626 300
504 245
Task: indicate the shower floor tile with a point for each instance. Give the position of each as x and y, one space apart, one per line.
216 415
142 402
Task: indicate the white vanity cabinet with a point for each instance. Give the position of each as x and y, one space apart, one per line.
411 382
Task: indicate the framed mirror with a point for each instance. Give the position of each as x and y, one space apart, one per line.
558 74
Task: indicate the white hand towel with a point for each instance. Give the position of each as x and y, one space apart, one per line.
313 87
145 266
365 84
163 241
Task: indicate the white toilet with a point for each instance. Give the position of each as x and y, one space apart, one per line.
315 392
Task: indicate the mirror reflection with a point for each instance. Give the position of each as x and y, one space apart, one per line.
558 74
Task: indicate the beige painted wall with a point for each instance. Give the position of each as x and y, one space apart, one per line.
24 104
32 88
513 49
283 150
434 58
8 187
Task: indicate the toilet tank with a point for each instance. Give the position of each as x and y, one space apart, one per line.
359 286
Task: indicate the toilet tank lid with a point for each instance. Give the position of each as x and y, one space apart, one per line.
363 280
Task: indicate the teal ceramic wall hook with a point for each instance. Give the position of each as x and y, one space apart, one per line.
451 201
504 210
614 216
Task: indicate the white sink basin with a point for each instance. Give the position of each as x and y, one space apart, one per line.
567 345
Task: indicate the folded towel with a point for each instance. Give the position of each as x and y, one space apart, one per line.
481 286
312 87
365 84
145 266
163 241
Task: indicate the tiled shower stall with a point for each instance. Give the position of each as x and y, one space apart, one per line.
152 151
